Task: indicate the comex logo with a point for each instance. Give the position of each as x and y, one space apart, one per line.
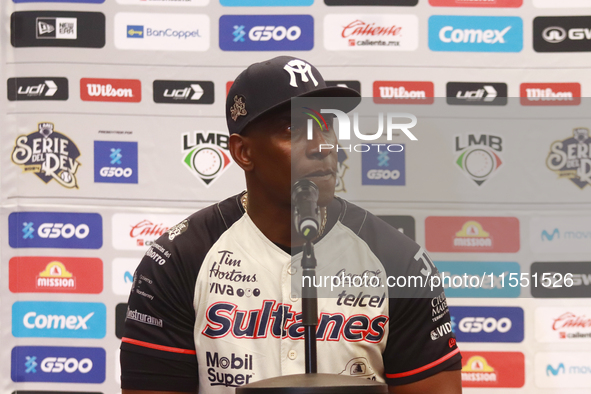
489 36
70 322
555 371
56 230
554 34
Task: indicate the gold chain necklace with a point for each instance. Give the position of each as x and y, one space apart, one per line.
244 200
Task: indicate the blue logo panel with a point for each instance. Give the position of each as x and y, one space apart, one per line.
55 230
115 161
487 323
31 319
58 364
266 32
472 279
266 3
475 33
60 1
386 167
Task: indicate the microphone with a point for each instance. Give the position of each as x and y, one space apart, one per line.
304 199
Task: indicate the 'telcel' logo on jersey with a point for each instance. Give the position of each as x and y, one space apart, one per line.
48 154
571 158
115 162
478 156
206 154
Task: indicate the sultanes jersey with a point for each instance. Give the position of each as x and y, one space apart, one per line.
216 304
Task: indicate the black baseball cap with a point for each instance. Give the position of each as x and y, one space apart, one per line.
267 85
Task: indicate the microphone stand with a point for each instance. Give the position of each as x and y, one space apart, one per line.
309 306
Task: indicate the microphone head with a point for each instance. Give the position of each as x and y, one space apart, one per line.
304 199
304 186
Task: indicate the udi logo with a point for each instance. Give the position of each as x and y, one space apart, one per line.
136 231
34 274
477 3
115 162
477 155
374 32
183 92
385 166
563 324
31 319
266 32
55 230
472 234
58 364
475 33
487 323
550 93
206 154
493 369
40 88
119 90
403 92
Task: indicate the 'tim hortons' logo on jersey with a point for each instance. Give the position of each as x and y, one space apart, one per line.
571 158
49 154
206 154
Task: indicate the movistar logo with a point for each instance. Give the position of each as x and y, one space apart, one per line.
128 277
553 371
550 237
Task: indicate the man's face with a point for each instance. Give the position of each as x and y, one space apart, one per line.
284 155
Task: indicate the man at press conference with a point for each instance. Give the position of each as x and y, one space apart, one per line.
182 335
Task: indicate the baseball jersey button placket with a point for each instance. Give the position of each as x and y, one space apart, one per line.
292 354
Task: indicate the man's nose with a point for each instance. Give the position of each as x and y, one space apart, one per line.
322 144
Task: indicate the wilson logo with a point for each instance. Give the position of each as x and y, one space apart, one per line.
123 90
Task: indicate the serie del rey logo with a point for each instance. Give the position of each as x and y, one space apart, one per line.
571 157
48 154
206 154
478 156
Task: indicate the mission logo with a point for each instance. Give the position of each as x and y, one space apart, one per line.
206 154
48 154
571 158
478 156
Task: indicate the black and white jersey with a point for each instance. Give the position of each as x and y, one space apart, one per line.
214 305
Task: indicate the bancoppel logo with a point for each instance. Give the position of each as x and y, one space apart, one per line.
232 371
385 166
120 90
55 275
571 157
561 3
355 85
550 93
493 369
553 281
404 224
55 230
371 32
563 324
265 3
183 92
487 276
477 3
371 2
48 154
472 234
32 319
478 156
266 32
562 370
57 29
206 154
122 275
403 92
159 32
40 88
476 93
115 162
487 323
475 33
136 231
562 34
168 3
560 234
57 364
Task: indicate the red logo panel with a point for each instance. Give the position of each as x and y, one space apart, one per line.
55 275
472 234
228 86
550 93
493 369
403 92
123 90
476 3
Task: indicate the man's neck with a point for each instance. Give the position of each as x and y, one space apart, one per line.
272 219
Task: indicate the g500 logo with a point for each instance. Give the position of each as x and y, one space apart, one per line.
206 154
49 154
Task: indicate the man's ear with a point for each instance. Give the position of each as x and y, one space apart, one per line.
240 151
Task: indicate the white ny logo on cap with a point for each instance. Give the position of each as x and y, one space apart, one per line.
302 68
